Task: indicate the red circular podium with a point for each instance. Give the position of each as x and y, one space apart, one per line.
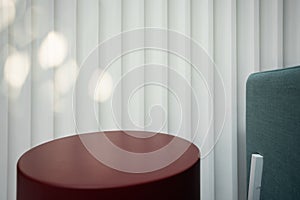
66 169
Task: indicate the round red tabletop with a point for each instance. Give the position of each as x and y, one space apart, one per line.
111 165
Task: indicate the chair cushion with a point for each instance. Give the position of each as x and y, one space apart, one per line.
273 130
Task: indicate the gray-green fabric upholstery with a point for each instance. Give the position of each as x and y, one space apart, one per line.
273 130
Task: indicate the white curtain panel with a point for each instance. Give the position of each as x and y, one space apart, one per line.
45 43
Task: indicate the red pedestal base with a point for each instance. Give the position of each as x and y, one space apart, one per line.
65 169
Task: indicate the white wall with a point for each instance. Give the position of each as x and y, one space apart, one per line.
241 36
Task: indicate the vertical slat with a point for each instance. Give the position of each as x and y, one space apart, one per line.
156 15
42 76
247 62
65 73
291 27
3 133
179 20
110 24
19 106
4 110
202 32
133 18
225 59
271 34
87 40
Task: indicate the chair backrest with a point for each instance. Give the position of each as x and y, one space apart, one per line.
273 130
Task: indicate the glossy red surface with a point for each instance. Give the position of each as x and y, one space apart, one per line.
65 169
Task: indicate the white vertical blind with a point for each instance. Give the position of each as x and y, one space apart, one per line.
87 40
50 39
156 15
19 106
271 34
248 62
42 17
179 20
202 32
291 27
133 104
110 24
4 110
65 73
225 59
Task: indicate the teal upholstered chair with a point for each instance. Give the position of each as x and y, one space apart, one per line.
273 130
